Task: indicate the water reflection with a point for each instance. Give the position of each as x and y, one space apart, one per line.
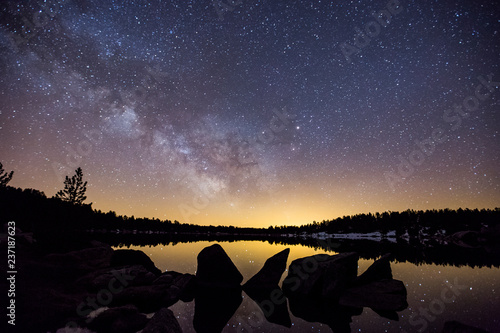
475 305
430 253
214 307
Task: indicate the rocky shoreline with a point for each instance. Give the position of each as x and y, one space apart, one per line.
94 288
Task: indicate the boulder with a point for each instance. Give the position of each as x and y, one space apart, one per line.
215 269
379 270
321 275
270 274
186 284
383 295
133 257
85 260
125 319
163 321
187 287
48 308
214 307
147 298
324 311
166 278
273 304
117 278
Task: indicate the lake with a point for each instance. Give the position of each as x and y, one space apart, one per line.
436 293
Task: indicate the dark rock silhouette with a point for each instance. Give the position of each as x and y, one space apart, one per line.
214 307
215 269
133 257
321 275
387 295
81 261
184 284
379 270
392 315
125 319
163 321
270 274
273 304
325 311
148 298
100 279
325 289
166 277
457 327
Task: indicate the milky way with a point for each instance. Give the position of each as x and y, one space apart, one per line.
254 112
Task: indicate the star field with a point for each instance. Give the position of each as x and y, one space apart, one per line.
254 113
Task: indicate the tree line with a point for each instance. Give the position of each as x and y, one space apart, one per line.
66 212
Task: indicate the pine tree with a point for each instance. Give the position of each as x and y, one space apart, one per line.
5 177
74 189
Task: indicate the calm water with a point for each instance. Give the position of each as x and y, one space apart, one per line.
431 299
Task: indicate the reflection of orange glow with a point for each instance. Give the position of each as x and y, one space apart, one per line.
424 283
248 256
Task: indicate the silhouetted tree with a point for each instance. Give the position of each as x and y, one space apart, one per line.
5 177
74 189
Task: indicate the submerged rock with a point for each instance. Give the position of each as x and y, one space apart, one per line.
125 319
270 274
213 307
163 321
215 269
325 311
117 278
384 295
147 298
273 304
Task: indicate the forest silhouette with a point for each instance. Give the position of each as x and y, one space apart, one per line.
415 236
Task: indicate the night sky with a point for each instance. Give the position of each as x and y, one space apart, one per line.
254 113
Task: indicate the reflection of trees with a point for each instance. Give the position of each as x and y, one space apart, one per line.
49 218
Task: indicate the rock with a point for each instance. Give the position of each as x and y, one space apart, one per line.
85 260
187 286
125 319
163 321
321 275
313 310
48 308
147 298
270 274
383 295
379 270
133 257
112 278
166 278
391 315
213 307
457 327
186 283
215 269
273 304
